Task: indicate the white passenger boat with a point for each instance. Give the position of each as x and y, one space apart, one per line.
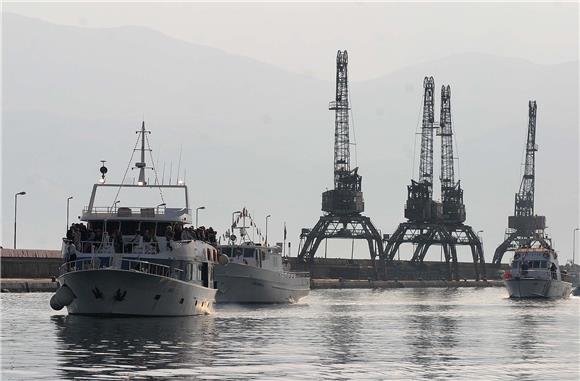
535 273
257 273
136 260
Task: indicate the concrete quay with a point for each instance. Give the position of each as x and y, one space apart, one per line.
28 285
355 283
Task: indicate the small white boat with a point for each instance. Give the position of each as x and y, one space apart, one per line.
136 260
535 273
257 273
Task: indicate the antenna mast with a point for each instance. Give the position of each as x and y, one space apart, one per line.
142 165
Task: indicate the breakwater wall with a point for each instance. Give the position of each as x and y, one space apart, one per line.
352 283
30 264
27 264
362 269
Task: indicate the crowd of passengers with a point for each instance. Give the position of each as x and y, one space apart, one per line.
83 237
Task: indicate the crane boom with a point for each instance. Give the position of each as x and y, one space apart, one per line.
426 163
446 133
342 173
524 200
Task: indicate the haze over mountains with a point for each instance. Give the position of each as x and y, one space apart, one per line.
258 136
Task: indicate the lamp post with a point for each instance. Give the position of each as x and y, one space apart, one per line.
266 241
233 214
574 245
197 214
15 213
478 236
67 209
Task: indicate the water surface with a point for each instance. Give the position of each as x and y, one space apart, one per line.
420 334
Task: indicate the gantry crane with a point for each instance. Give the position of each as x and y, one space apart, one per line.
343 205
524 227
430 222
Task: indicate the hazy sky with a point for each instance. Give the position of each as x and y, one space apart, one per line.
299 37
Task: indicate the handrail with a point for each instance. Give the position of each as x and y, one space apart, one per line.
132 265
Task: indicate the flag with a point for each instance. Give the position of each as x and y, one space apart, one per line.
285 231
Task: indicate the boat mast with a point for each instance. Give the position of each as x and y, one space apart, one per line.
142 165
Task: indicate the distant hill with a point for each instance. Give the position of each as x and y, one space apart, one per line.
256 135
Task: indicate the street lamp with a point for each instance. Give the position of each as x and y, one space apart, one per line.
15 210
478 236
574 245
197 214
67 209
268 216
233 214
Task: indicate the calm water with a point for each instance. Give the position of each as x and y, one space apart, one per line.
467 334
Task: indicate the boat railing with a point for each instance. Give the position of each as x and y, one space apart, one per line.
95 263
135 211
299 274
152 268
80 265
108 246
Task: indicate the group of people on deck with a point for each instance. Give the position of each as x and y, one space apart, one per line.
83 237
181 233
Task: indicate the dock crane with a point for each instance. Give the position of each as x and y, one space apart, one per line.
524 227
343 205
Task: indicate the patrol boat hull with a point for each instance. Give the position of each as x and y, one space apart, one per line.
239 283
111 292
538 288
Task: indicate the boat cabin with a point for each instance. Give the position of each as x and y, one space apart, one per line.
537 263
256 255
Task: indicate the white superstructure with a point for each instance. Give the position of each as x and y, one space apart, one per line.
136 260
535 273
257 273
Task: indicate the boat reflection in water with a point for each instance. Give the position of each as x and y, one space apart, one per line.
132 347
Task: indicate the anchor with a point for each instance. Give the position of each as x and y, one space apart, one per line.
120 296
97 293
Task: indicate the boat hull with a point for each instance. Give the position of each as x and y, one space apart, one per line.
239 283
538 288
112 292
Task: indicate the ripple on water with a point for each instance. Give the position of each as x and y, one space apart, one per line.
429 334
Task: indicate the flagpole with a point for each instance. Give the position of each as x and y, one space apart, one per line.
284 245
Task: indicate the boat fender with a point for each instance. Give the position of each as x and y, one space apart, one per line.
224 259
62 297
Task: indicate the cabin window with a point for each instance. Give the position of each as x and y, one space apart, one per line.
543 264
150 226
238 251
161 227
249 253
189 274
113 226
226 251
263 255
95 225
129 227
